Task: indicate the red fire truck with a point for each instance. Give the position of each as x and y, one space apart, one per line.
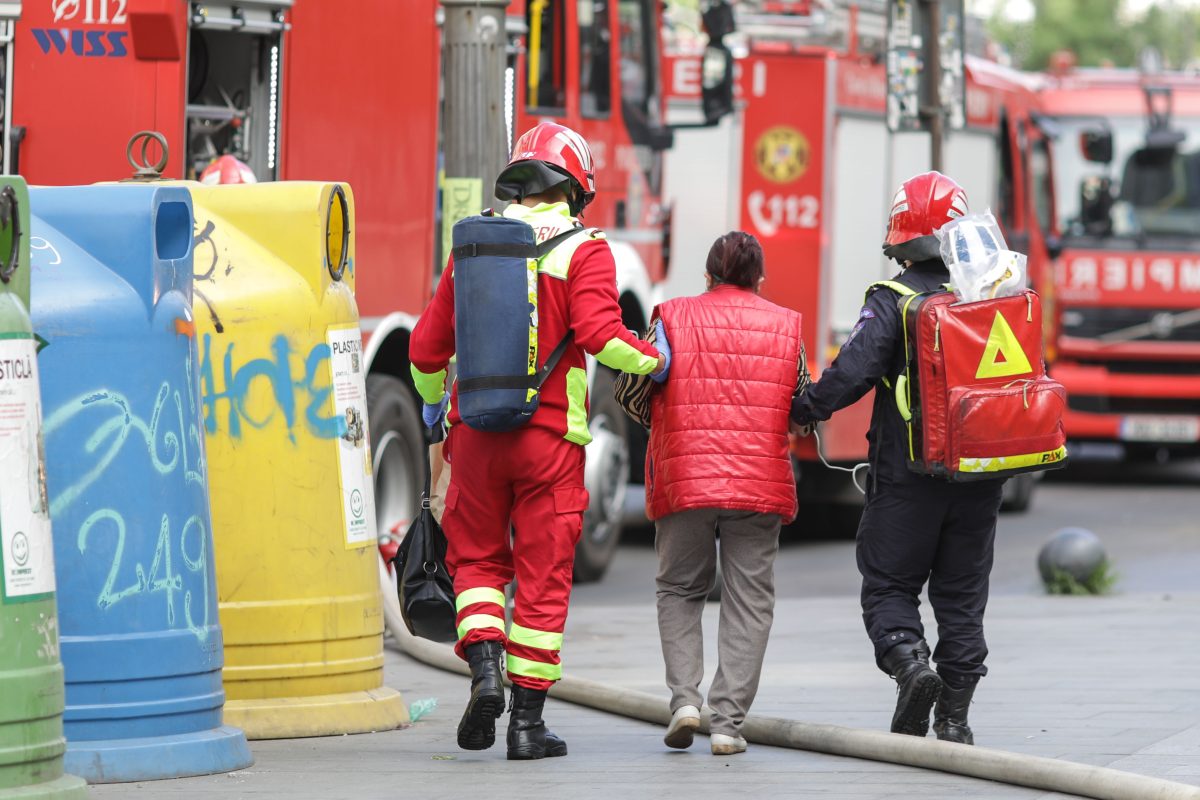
350 91
1127 320
809 167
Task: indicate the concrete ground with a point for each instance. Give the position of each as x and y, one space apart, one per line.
1104 681
1109 681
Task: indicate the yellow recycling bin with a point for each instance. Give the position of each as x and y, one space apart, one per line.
289 461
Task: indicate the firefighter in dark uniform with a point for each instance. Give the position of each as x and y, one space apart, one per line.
915 528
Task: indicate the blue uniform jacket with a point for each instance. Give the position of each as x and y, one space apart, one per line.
874 350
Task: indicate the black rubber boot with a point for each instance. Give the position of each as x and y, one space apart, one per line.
528 736
950 715
917 687
477 729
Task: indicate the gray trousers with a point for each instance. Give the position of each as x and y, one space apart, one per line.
687 568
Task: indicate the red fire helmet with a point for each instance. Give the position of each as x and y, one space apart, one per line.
924 203
227 169
542 157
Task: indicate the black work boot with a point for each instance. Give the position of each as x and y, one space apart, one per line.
950 715
477 729
917 687
528 736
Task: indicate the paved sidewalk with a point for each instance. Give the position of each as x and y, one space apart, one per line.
1107 681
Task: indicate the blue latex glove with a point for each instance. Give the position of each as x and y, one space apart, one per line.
663 346
431 413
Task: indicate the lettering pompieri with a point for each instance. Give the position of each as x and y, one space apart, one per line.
1163 277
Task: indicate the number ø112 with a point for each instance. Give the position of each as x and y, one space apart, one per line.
118 16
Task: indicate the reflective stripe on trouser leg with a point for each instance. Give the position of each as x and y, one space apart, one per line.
533 654
548 505
478 610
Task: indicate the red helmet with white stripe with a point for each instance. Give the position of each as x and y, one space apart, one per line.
924 203
546 156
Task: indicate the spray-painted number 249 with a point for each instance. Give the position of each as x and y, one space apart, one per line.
772 212
95 12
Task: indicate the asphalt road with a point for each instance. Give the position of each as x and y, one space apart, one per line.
1146 515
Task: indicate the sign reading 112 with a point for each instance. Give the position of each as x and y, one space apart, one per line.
95 12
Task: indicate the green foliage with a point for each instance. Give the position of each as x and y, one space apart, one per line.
1099 33
1101 581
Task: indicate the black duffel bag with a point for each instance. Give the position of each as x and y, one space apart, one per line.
423 584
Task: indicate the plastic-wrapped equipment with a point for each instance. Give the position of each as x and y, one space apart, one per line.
980 263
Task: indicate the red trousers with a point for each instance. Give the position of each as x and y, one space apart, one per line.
532 480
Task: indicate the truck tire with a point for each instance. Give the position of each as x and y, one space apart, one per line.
1018 493
606 476
398 453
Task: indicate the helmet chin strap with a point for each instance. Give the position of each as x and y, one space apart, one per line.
923 248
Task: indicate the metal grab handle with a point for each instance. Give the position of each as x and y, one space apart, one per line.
10 217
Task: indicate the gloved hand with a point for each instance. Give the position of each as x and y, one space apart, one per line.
800 430
431 413
664 347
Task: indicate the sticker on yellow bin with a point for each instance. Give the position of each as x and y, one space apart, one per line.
354 449
26 549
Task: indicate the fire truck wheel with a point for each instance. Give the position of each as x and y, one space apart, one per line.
398 452
606 475
1018 492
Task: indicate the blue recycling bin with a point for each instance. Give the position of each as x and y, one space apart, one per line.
125 466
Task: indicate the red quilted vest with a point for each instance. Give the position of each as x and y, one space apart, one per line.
719 425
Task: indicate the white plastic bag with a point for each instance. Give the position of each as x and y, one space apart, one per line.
980 263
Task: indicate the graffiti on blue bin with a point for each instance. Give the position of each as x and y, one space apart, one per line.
299 396
173 451
167 453
170 582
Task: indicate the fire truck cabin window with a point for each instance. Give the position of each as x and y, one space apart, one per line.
1040 183
546 61
1150 189
594 50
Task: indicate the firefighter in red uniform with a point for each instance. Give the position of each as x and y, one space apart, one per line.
530 477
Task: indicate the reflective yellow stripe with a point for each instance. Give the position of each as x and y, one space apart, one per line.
1005 463
544 640
895 286
533 669
907 375
553 219
557 262
479 621
577 423
531 275
482 594
431 387
621 355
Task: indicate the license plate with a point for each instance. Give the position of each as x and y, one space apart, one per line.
1160 429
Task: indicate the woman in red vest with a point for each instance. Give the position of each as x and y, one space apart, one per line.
718 462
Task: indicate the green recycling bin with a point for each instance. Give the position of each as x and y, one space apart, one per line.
31 675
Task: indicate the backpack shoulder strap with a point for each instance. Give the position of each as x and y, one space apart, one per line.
554 241
896 286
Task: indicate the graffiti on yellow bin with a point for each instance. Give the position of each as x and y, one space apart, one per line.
284 385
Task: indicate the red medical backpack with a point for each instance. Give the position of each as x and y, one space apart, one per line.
974 392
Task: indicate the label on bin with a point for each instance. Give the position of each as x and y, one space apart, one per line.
354 443
26 549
